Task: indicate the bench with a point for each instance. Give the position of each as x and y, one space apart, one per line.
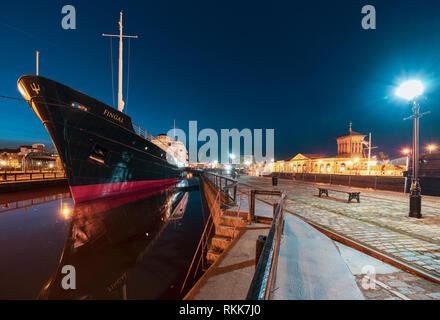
351 194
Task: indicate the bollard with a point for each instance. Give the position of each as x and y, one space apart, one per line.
252 207
274 181
259 248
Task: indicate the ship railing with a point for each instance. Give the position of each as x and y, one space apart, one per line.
143 133
148 135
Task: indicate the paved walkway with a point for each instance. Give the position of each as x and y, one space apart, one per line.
380 221
310 266
389 283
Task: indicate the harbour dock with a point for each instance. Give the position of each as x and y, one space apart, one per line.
21 181
319 257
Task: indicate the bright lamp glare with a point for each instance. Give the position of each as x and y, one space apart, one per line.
410 89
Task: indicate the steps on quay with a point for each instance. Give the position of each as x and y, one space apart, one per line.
220 242
212 255
235 213
227 228
226 231
232 221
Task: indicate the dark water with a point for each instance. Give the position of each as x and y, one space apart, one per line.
136 247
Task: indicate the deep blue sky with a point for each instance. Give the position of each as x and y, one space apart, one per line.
304 68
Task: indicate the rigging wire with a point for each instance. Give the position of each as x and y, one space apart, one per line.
111 66
45 102
128 74
6 97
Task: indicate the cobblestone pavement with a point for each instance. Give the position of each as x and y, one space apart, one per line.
379 221
398 284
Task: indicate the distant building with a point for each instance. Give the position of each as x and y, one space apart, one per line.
29 157
350 145
10 159
351 159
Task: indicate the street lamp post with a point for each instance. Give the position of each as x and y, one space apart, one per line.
410 91
408 155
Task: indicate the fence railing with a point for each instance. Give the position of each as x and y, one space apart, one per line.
263 282
374 182
227 186
29 176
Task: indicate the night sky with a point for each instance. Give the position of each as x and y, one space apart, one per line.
304 68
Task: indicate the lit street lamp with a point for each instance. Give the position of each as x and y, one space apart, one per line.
410 90
431 147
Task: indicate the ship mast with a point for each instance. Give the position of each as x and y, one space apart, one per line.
120 36
37 60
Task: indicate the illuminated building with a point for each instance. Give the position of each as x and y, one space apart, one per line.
32 157
351 159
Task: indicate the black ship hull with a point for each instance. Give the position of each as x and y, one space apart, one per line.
101 152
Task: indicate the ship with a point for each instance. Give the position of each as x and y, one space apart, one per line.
103 152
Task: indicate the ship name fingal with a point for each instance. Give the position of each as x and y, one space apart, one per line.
113 116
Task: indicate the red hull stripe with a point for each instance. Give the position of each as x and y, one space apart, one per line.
97 191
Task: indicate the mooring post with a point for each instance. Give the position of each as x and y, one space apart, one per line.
252 206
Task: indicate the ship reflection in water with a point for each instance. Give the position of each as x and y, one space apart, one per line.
133 247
